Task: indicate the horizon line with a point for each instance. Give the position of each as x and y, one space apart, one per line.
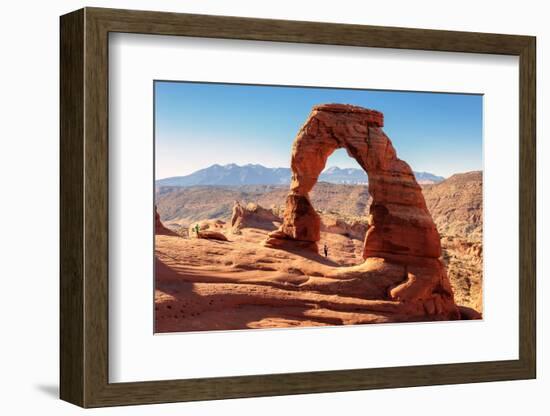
284 167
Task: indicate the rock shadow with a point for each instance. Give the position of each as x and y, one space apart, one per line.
310 255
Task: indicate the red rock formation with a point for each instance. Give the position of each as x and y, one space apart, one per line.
349 228
210 225
212 235
252 215
401 228
208 229
160 229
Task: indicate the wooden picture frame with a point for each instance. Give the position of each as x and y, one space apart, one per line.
84 207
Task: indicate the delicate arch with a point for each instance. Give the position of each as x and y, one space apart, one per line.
400 224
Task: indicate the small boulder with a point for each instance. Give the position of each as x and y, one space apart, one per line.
212 235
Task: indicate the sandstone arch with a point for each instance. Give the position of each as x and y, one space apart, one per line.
402 245
401 228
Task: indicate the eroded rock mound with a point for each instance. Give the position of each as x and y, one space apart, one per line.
208 229
350 228
160 229
401 229
254 216
210 225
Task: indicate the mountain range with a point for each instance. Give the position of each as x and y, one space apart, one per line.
250 174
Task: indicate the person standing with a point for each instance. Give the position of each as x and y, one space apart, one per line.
325 249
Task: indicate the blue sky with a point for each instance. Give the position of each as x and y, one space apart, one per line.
200 124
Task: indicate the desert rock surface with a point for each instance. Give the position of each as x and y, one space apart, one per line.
206 284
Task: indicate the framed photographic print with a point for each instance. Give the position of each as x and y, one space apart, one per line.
255 207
